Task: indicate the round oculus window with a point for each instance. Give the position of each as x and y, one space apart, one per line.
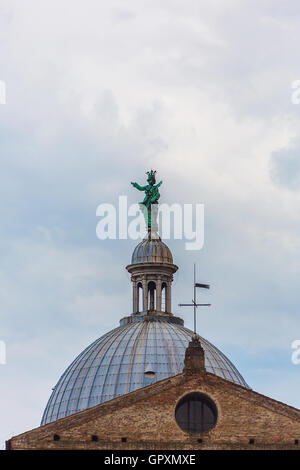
196 413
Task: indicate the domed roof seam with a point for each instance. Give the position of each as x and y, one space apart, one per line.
131 357
86 354
153 250
122 331
144 251
76 371
61 380
70 371
145 348
228 365
216 358
223 362
121 361
93 355
159 323
151 327
166 330
180 337
91 379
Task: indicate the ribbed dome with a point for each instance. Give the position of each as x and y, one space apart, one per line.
151 250
127 358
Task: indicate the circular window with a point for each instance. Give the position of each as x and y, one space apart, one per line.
196 413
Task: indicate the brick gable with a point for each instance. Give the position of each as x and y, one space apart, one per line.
146 419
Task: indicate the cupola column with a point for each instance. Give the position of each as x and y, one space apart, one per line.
135 297
168 297
145 295
151 293
158 295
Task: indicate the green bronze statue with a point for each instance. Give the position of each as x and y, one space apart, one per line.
151 197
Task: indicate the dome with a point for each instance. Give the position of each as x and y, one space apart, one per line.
151 250
141 352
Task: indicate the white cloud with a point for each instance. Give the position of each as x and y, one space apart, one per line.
96 94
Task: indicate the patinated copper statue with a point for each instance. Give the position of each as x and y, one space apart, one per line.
151 197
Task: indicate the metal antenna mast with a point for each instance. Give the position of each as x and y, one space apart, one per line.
194 300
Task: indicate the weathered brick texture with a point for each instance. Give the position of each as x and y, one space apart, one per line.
146 419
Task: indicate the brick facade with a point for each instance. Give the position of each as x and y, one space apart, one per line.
145 419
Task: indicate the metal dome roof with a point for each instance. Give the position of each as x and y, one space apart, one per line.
151 250
127 358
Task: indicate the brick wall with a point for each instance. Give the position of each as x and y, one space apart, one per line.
146 419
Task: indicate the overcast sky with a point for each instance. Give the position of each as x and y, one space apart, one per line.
96 94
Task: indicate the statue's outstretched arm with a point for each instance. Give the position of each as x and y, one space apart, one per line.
137 186
158 185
